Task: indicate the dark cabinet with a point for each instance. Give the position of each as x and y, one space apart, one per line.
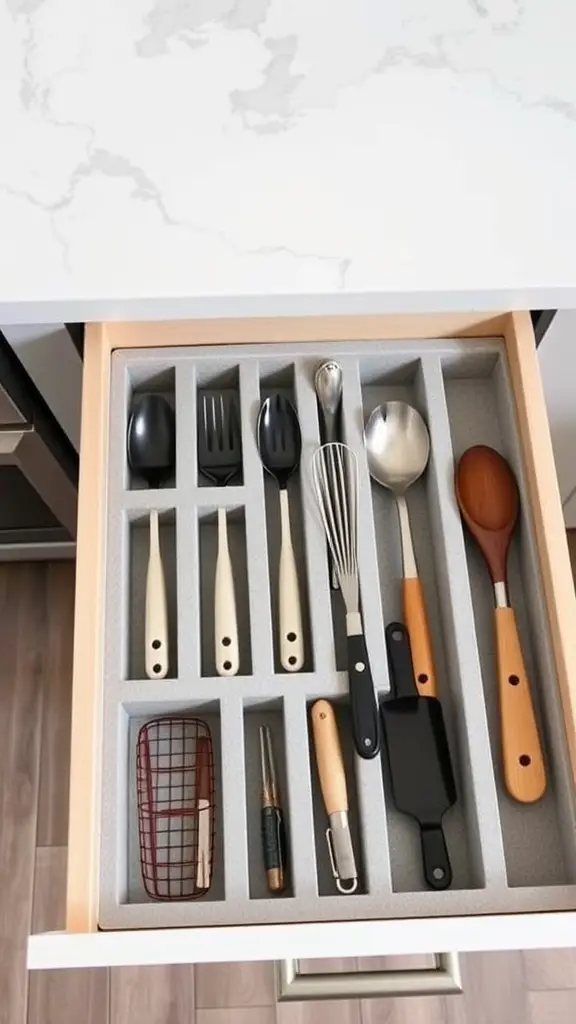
38 470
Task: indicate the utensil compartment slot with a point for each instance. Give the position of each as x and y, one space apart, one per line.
208 554
256 715
161 831
378 387
279 379
538 838
404 382
219 420
324 867
138 543
141 380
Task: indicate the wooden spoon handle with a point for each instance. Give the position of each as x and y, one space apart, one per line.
524 772
416 621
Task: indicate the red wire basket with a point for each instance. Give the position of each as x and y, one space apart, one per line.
176 812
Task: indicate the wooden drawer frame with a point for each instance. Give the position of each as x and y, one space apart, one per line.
81 944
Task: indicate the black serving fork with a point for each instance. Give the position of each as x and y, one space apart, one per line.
220 459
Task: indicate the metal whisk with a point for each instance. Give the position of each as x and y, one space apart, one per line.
335 478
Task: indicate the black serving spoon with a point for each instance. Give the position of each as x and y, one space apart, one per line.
152 440
151 446
280 446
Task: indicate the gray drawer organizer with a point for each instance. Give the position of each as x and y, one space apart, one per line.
506 857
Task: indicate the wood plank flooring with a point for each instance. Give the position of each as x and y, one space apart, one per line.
35 676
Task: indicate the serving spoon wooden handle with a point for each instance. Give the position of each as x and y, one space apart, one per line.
416 620
487 493
522 757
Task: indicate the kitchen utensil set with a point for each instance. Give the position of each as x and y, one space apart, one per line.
174 756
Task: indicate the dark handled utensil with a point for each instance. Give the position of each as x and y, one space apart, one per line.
418 754
274 845
335 478
151 446
280 445
220 460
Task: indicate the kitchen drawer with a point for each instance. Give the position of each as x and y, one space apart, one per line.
520 911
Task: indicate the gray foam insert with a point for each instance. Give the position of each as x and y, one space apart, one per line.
506 857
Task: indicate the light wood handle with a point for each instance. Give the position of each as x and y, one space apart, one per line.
156 608
329 757
290 614
225 619
524 772
416 621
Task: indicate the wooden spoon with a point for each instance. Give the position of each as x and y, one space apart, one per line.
487 494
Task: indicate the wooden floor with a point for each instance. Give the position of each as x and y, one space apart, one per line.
35 680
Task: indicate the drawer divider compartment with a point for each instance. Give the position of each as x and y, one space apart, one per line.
256 548
301 822
476 768
370 597
234 801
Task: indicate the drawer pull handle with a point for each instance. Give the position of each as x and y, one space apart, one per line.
443 978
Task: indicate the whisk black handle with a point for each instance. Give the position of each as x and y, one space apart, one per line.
365 721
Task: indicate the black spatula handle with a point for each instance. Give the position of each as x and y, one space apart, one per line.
402 680
365 721
437 868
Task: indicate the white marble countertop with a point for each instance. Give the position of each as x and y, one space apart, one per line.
215 157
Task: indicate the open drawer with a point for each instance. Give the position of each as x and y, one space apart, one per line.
476 379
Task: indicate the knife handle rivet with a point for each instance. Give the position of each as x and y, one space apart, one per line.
359 666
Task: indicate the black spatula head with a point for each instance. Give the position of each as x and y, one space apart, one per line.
422 776
421 772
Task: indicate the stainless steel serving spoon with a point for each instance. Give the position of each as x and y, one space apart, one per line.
398 446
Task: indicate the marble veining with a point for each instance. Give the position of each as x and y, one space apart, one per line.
414 153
